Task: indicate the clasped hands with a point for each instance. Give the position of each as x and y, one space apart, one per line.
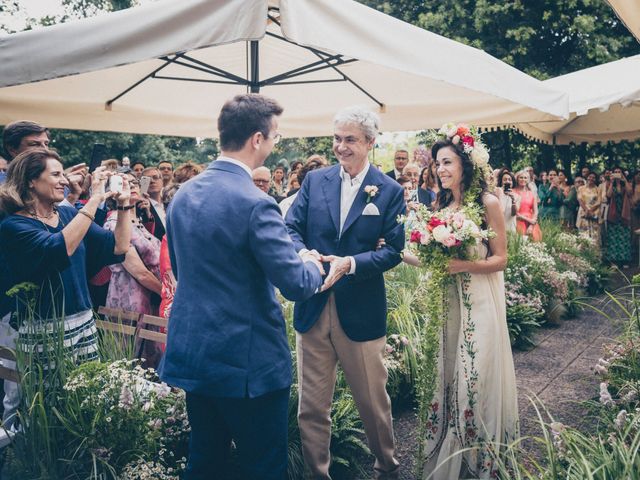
338 266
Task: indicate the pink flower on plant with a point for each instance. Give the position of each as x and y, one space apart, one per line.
415 236
468 140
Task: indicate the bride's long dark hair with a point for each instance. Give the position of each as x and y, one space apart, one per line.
445 195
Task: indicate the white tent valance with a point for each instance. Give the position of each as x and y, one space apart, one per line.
604 102
167 68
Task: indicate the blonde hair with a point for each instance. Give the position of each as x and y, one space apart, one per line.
186 171
524 172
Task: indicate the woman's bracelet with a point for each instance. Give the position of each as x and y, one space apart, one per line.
122 207
87 214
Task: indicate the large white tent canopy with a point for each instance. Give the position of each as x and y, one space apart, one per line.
167 68
604 102
628 12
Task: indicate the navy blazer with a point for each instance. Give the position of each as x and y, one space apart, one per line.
314 223
228 247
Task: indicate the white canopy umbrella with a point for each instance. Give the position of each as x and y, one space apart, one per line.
167 68
604 102
628 11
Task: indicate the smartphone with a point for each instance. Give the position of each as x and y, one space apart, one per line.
98 154
115 183
144 184
507 187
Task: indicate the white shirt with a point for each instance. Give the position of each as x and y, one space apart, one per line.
348 191
159 207
286 203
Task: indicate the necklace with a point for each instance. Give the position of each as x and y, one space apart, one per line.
48 216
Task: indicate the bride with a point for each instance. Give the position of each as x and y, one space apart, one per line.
474 410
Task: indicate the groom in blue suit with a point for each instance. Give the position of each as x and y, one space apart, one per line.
227 345
341 212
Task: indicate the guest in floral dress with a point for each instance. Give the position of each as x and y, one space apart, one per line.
134 281
589 213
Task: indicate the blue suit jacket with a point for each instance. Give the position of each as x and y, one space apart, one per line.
314 223
229 246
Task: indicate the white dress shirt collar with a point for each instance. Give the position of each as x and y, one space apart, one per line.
236 162
358 179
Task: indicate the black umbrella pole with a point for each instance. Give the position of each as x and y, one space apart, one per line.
255 67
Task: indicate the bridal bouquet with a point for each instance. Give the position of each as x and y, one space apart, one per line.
435 237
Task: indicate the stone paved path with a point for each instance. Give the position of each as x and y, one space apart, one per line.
558 370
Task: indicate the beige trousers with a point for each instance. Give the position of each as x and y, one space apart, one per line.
319 350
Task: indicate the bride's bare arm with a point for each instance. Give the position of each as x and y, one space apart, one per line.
410 259
498 244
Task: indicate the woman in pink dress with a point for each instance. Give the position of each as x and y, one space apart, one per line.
134 281
527 216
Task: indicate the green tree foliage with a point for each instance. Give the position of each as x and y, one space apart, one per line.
292 149
543 38
75 146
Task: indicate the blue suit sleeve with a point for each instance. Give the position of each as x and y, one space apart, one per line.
379 261
296 218
275 253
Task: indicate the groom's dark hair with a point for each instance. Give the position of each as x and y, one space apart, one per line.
243 116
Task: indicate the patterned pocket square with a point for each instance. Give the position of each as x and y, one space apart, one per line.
371 209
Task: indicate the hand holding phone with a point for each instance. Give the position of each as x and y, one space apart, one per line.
98 154
144 184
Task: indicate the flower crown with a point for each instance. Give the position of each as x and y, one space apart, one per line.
472 145
470 139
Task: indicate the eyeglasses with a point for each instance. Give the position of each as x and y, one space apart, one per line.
134 182
155 177
261 182
276 138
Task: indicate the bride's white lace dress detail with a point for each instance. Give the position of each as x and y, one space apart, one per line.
475 408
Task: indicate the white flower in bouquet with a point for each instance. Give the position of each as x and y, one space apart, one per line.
441 233
480 155
458 220
425 237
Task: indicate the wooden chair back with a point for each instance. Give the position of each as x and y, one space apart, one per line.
8 373
132 324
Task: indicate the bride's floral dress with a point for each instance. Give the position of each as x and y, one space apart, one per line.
475 410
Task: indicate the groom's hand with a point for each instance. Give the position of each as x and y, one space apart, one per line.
314 257
339 266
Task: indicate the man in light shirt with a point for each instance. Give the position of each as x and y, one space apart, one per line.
341 212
